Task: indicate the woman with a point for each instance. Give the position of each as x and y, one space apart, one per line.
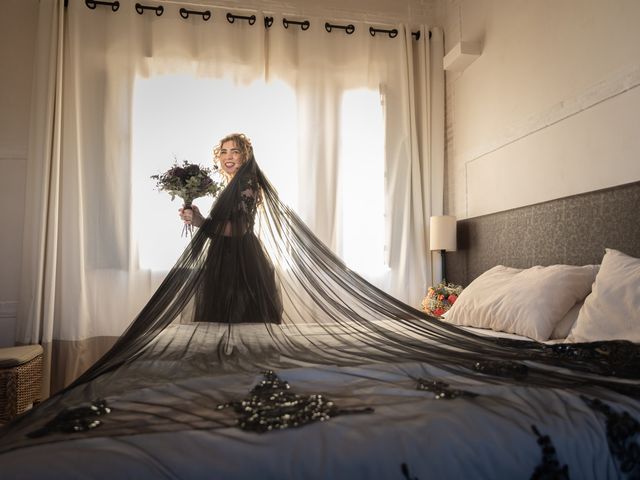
238 281
230 154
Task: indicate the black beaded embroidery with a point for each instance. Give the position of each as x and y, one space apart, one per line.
550 468
617 358
502 368
76 419
249 199
622 429
273 406
442 390
612 358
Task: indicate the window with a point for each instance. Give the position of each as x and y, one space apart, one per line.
362 183
180 117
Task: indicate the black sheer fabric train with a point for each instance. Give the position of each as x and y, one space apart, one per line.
256 291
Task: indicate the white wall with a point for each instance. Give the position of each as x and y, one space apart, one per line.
17 26
551 107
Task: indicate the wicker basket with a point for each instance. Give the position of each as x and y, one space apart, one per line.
20 379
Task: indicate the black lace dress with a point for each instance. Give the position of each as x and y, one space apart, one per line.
238 282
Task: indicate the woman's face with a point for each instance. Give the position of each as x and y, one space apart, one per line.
230 158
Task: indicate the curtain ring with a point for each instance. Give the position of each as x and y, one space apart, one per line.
393 33
349 29
141 8
92 4
303 25
232 18
184 13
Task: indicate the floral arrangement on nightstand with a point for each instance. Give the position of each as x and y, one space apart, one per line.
440 298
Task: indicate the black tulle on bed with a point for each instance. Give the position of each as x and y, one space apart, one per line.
256 291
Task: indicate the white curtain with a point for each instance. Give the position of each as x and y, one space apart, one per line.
37 303
83 278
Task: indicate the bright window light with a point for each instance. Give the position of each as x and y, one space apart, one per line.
183 117
362 184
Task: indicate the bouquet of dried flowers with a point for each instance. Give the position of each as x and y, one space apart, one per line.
187 181
440 298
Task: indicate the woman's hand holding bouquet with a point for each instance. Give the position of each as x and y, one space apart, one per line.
188 181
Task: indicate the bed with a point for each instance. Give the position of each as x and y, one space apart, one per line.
494 435
403 419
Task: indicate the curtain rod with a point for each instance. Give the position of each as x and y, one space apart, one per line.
231 18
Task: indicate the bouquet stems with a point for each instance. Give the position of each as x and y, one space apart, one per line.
187 229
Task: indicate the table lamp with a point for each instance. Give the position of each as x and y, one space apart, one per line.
442 236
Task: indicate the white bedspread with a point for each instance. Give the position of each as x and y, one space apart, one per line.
486 437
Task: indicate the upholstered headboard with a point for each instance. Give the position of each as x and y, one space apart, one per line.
573 230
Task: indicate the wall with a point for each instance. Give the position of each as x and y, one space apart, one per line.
18 25
18 22
551 108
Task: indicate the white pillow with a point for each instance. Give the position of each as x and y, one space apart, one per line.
612 310
525 302
563 327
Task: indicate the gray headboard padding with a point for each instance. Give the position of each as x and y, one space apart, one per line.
573 230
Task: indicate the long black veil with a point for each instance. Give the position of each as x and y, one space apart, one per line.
256 291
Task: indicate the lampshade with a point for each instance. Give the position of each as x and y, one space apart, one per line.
442 234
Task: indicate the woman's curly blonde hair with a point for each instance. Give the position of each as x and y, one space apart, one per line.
241 141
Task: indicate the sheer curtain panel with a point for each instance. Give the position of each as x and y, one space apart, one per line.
83 280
